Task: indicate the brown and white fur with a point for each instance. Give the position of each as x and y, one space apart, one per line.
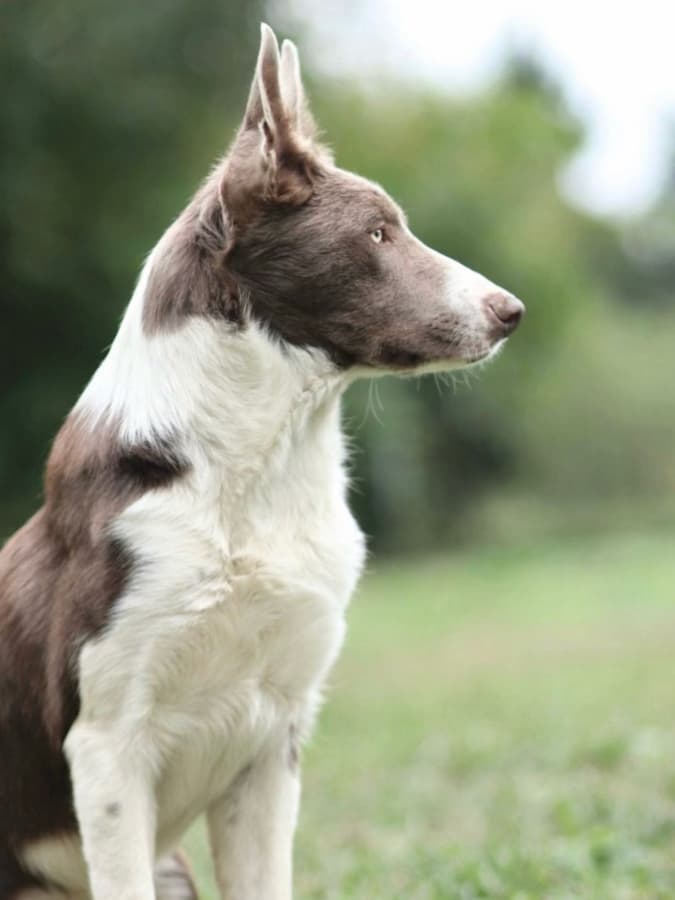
168 618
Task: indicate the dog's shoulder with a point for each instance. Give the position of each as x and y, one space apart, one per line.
60 576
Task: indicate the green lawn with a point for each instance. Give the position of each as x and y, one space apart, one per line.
502 725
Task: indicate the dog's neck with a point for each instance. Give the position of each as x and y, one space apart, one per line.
228 393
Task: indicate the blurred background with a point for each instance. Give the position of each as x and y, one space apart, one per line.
528 508
513 142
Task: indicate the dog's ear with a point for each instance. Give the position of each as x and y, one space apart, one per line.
272 159
293 91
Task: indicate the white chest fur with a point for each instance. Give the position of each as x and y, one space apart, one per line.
212 653
244 567
223 638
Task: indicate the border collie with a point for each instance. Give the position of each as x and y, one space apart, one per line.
168 618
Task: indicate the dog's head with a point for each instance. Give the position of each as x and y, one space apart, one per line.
326 259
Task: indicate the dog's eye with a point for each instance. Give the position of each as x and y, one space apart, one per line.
377 235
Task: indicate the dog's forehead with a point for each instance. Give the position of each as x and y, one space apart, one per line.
363 198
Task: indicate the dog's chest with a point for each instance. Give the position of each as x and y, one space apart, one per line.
243 674
209 658
225 635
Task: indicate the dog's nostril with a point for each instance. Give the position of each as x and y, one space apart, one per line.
506 308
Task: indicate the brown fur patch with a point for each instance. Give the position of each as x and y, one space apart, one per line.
316 277
279 232
311 273
187 277
59 577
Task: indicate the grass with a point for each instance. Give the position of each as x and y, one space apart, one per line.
501 725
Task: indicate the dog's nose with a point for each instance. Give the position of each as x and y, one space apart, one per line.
505 310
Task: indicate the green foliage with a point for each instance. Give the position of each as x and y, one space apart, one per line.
111 114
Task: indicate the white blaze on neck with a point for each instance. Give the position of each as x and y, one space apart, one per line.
207 380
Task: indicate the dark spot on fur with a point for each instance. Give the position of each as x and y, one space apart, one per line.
113 810
293 748
243 774
151 465
232 817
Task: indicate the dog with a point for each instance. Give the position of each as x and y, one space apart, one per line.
169 616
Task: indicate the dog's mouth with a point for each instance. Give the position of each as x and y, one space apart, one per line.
465 360
488 354
501 314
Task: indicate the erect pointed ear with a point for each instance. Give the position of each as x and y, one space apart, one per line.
265 106
293 91
271 158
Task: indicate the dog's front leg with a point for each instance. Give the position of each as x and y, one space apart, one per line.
251 829
116 815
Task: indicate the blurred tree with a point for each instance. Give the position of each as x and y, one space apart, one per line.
112 112
650 245
111 118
